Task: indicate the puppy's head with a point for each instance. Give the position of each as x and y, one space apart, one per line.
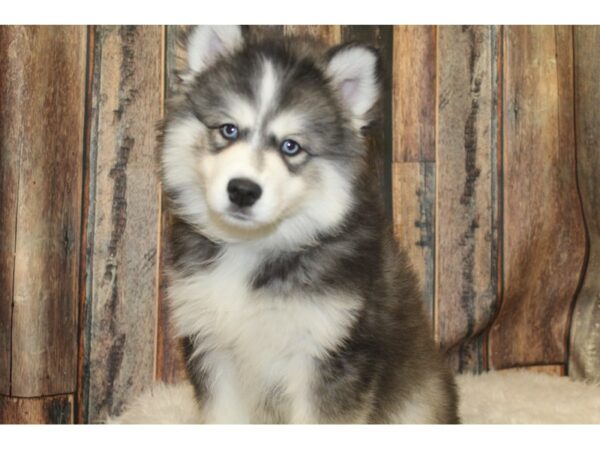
263 141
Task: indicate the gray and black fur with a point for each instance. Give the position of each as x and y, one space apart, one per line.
386 368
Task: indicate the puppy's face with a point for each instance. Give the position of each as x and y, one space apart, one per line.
264 142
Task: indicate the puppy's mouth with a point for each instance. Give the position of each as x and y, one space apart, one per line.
237 225
239 215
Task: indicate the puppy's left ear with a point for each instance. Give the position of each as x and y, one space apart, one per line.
354 71
206 44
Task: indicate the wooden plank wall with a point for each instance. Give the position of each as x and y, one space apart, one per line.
123 217
486 150
485 189
466 191
544 236
42 97
584 357
446 171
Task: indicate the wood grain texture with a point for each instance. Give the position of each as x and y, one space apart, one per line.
414 222
466 191
584 357
331 34
124 221
170 361
544 241
414 95
261 31
86 236
460 165
42 129
413 167
11 128
56 409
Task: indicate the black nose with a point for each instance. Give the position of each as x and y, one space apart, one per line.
243 192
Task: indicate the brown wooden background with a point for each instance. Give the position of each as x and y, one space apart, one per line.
489 142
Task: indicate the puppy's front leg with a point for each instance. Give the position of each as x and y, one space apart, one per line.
300 389
224 402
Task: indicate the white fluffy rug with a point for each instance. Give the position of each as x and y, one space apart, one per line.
512 397
527 398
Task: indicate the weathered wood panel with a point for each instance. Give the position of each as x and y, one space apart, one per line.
414 99
414 219
584 358
466 230
124 219
86 237
543 242
413 168
458 168
10 129
43 114
45 410
170 362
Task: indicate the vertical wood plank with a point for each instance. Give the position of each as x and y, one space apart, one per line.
414 93
44 84
467 214
86 237
414 219
170 362
122 292
56 409
10 129
544 240
584 357
413 167
170 359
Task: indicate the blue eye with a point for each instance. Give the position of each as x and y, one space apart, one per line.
290 147
229 131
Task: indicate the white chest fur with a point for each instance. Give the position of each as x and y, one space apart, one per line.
266 340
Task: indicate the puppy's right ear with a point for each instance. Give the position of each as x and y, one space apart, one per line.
354 71
206 43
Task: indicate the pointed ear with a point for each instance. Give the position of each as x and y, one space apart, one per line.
206 43
354 71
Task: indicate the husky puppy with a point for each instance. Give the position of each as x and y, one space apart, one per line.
286 282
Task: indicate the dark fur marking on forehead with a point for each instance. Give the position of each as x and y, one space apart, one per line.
303 87
242 72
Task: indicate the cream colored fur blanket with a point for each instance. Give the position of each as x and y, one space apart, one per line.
512 397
